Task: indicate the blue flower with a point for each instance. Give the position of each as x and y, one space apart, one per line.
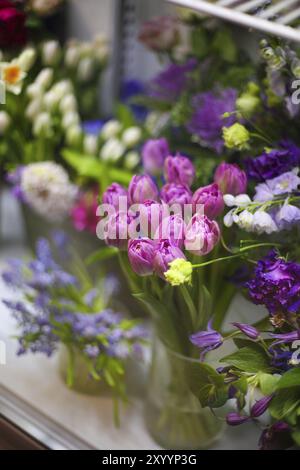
207 340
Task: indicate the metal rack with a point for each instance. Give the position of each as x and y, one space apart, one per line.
276 17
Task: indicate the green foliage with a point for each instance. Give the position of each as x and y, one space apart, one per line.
207 385
251 358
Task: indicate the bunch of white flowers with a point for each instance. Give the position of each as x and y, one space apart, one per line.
47 189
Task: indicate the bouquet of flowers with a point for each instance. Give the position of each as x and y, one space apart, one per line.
59 307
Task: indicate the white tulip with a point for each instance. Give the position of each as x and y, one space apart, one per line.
44 78
34 90
263 223
90 144
74 135
86 68
70 119
33 109
132 160
111 129
42 124
131 136
68 104
26 59
112 150
51 52
5 122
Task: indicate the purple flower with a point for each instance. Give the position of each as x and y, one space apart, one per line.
276 284
164 254
91 351
142 188
276 436
235 419
207 120
285 338
287 216
154 154
116 230
283 184
248 330
173 193
230 179
260 406
202 234
211 200
141 254
112 195
170 83
179 170
172 228
271 164
207 340
145 223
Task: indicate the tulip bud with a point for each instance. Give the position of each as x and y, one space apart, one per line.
112 195
90 144
165 253
141 188
154 153
51 53
141 254
68 104
179 170
116 230
202 234
44 78
112 150
173 193
110 129
210 199
5 122
27 59
131 136
230 179
172 228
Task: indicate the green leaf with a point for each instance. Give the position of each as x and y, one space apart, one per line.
85 165
241 384
124 114
284 403
290 379
105 253
249 359
206 384
296 437
267 383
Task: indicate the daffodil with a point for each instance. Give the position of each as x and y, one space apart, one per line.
12 76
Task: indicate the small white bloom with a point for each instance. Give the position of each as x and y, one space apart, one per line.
86 69
74 135
112 150
245 220
70 119
228 219
229 200
242 200
62 88
5 122
51 53
44 78
50 100
90 144
68 104
33 109
263 222
34 90
42 125
131 136
132 159
26 59
111 129
72 55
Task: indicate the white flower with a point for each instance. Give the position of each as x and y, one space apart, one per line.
48 190
12 75
131 136
70 119
51 52
72 55
68 104
74 135
90 144
111 129
26 59
112 150
263 222
5 122
44 7
44 78
242 200
244 220
228 219
62 88
33 109
50 100
229 200
42 125
34 90
86 68
132 160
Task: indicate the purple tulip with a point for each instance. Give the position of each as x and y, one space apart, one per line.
202 234
248 330
112 195
234 419
142 188
173 193
207 340
146 219
165 253
116 230
179 170
231 179
154 154
172 228
260 406
211 198
141 252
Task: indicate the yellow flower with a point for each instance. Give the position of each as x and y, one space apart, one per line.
12 75
236 136
180 272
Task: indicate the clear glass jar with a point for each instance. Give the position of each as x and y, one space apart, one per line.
174 416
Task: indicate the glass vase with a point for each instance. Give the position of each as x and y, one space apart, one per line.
174 416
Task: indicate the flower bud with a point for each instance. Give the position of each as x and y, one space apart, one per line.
141 254
263 223
132 160
247 104
68 104
154 154
179 272
90 144
131 136
26 59
173 193
5 122
74 135
44 78
34 90
235 419
179 170
86 69
202 234
112 195
142 188
51 53
116 230
33 109
42 125
248 330
72 55
110 129
260 406
211 200
244 220
165 253
236 136
230 179
112 150
207 340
